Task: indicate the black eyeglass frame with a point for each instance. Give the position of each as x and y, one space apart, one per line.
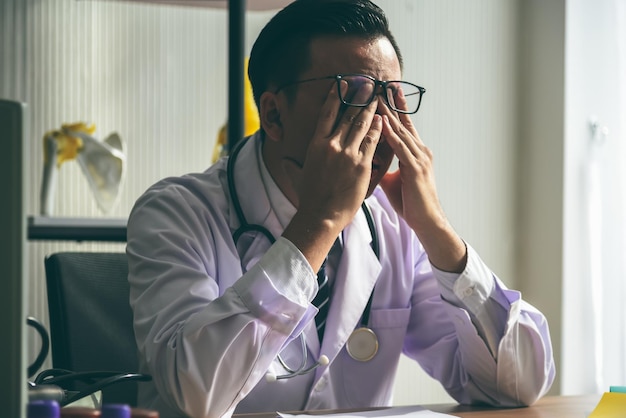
381 83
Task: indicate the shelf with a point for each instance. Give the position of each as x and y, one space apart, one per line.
76 229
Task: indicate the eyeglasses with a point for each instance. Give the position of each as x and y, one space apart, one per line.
363 88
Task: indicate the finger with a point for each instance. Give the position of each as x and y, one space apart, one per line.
397 135
363 133
394 118
401 122
330 111
372 137
354 116
404 146
401 103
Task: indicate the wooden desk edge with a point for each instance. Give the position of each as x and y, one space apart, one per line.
548 405
565 405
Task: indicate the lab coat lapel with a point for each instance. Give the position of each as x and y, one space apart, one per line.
351 292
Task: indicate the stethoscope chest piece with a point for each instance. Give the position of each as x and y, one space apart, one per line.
362 344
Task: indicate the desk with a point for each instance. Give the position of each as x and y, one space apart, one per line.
549 406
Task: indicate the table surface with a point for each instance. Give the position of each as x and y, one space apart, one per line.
549 406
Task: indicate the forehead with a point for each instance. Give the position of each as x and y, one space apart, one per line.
346 55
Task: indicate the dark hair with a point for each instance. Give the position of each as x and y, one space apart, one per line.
281 51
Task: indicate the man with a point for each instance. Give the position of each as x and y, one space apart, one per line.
223 264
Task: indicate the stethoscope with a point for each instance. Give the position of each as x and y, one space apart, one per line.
362 345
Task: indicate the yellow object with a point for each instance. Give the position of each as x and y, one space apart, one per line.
612 405
251 122
68 146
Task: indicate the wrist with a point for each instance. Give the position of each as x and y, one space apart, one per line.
446 250
312 236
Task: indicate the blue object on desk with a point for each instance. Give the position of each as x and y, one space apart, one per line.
619 389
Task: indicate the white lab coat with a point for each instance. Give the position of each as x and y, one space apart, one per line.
210 318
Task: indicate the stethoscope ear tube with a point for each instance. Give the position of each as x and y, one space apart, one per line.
272 377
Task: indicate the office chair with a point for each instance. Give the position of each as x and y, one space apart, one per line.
91 323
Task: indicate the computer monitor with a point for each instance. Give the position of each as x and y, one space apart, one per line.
13 266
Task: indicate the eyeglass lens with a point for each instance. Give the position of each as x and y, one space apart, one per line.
361 90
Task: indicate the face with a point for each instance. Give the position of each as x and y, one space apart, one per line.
299 115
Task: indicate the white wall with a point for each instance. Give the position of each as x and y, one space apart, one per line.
157 75
539 199
594 264
569 73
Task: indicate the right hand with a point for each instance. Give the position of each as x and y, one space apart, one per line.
334 178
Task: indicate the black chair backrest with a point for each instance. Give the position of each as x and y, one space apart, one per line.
91 322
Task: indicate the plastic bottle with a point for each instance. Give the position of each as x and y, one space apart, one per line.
43 409
143 413
115 411
79 412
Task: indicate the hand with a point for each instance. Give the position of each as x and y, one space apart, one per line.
411 189
333 180
413 194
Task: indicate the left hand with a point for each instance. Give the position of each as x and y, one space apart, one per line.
413 193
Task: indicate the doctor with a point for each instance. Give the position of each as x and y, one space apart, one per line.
224 264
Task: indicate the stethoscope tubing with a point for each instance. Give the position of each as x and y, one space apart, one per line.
244 225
